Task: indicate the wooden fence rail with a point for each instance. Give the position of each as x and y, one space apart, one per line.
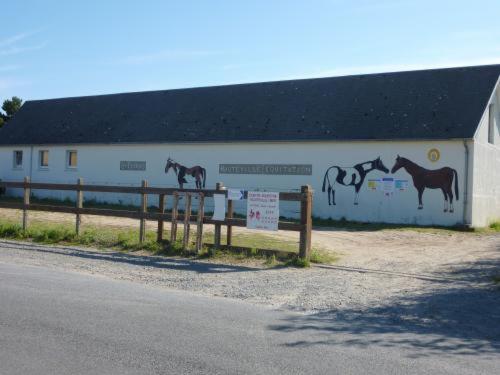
304 198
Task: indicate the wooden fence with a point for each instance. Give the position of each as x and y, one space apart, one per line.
174 216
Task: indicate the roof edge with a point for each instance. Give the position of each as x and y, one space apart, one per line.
266 82
239 142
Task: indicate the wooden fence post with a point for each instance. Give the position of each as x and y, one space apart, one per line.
187 218
175 211
79 205
306 221
27 193
217 231
230 210
161 210
199 229
144 210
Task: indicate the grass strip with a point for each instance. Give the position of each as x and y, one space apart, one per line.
122 239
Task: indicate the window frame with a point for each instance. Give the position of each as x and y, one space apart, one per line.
68 159
14 159
40 159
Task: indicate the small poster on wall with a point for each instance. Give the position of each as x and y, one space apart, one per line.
401 185
263 210
373 184
388 185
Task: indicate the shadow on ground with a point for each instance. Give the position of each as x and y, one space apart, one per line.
446 319
162 262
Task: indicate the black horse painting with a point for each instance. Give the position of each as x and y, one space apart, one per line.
350 176
433 179
181 171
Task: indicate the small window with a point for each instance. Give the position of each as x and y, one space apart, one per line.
18 159
71 159
491 124
44 159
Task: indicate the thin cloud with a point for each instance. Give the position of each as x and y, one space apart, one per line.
164 56
16 50
18 37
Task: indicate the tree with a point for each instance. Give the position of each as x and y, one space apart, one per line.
10 107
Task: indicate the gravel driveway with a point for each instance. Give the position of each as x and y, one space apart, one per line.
374 268
392 281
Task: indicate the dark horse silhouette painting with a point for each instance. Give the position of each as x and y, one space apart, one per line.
181 171
350 176
433 179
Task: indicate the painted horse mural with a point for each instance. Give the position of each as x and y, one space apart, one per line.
433 179
350 176
199 173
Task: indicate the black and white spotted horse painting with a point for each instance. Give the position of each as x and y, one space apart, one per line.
349 176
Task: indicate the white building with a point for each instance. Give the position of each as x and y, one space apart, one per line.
281 135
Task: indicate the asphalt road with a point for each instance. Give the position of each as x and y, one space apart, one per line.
54 322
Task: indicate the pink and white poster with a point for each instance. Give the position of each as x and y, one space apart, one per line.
263 210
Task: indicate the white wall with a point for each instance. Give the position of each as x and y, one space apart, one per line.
486 169
101 165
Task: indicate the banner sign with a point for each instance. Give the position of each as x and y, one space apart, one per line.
132 166
272 169
263 210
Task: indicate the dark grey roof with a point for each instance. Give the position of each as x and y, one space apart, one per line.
427 104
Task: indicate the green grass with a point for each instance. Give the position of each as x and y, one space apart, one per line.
271 261
49 233
262 241
495 226
317 256
105 237
298 262
323 257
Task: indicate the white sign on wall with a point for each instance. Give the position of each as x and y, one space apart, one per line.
388 185
235 194
263 210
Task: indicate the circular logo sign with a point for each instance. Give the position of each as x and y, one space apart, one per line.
433 155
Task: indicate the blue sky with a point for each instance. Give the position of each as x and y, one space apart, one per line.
70 48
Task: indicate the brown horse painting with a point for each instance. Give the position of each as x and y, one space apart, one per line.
433 179
181 171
